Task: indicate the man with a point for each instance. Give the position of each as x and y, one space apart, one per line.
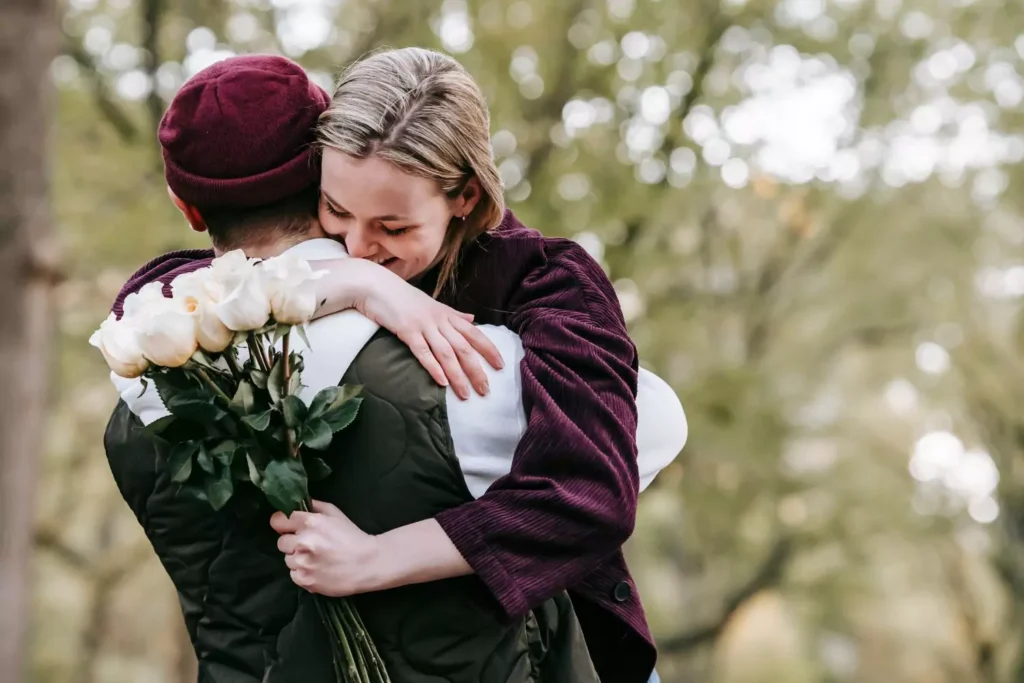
236 144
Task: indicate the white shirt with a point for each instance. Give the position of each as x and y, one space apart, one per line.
485 429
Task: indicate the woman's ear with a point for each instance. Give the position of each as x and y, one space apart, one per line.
470 196
191 213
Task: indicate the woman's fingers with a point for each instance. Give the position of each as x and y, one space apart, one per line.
480 342
283 524
449 360
287 544
301 579
469 359
423 353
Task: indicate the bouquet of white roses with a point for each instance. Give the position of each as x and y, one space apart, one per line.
218 354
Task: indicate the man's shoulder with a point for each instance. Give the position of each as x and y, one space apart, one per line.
163 269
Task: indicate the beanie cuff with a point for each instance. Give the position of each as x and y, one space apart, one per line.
295 175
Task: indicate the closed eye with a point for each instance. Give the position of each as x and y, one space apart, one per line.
334 212
395 232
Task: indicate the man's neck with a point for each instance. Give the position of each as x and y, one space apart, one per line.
266 249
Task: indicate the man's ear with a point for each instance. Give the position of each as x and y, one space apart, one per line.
190 212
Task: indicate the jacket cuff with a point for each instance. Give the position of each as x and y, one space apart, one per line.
458 524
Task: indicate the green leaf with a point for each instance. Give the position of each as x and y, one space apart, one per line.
316 434
179 463
254 473
245 398
295 381
275 382
205 461
342 416
194 491
201 358
259 378
301 330
219 489
156 427
259 421
196 405
322 401
224 451
348 392
294 411
284 482
169 385
280 331
266 329
280 433
316 468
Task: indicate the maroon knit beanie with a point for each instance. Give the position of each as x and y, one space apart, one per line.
240 132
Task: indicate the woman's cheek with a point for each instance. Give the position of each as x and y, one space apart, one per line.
329 223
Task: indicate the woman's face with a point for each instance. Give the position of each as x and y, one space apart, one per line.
385 215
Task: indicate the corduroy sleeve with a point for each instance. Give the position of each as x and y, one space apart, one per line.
570 498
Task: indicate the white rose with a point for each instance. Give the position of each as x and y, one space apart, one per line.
243 304
201 294
118 342
289 284
139 301
166 332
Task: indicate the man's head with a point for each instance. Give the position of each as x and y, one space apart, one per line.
238 154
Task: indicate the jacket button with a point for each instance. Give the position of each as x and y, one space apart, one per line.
622 592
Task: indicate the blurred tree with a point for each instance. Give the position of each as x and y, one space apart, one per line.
27 271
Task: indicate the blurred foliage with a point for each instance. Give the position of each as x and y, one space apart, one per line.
812 212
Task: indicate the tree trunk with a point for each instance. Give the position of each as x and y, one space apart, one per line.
28 43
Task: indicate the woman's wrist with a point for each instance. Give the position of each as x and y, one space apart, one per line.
343 286
416 553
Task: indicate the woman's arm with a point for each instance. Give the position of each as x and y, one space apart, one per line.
443 340
570 499
329 555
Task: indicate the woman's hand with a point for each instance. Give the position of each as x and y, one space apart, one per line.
444 340
329 555
326 553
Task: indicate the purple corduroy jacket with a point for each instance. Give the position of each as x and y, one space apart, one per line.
559 518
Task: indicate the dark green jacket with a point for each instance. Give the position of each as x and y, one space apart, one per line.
395 465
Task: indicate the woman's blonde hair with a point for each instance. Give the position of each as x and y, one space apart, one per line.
421 111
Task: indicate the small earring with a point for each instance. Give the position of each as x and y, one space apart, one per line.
463 218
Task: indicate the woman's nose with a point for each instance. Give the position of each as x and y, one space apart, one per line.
358 245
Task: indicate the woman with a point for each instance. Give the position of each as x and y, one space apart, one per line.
409 185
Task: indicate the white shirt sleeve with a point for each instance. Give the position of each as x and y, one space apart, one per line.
486 429
661 426
146 404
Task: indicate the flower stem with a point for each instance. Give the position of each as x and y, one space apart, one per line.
210 383
350 663
293 450
256 351
336 654
366 649
229 358
287 361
